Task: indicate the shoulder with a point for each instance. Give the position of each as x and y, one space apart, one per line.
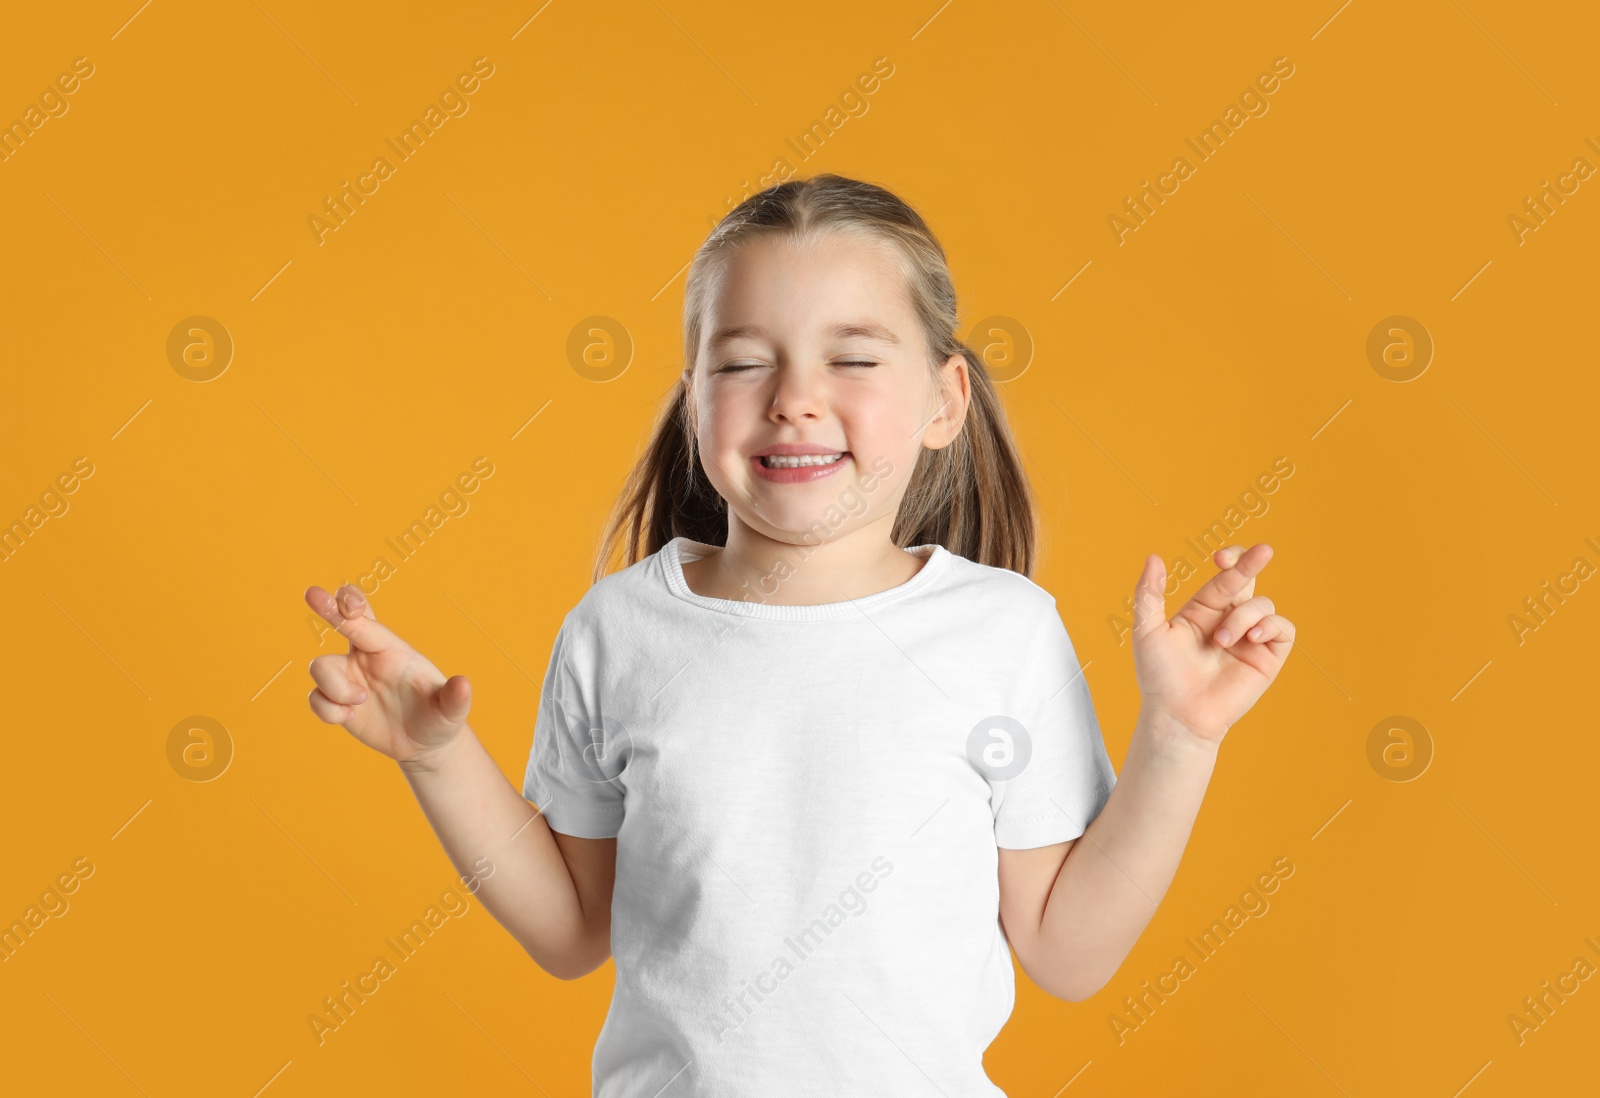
1001 612
1001 589
615 600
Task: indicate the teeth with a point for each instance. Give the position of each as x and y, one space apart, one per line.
798 461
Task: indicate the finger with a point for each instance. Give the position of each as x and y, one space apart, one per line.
1228 555
353 602
360 627
1235 582
1226 558
331 673
1272 628
330 711
1149 596
1241 618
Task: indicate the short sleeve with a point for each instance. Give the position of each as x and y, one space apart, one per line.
1066 777
572 773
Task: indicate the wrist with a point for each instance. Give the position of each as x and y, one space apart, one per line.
432 760
1170 738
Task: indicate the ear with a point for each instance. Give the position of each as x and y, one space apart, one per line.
955 394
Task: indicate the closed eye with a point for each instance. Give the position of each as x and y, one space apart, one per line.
738 367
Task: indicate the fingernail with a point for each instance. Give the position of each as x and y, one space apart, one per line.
1223 637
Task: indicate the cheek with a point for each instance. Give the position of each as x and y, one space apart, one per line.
881 426
722 422
724 435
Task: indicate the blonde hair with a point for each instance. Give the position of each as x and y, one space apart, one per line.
971 496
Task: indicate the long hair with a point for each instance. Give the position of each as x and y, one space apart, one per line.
971 495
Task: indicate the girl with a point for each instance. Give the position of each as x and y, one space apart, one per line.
814 762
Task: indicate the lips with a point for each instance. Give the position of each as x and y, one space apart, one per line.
796 449
800 463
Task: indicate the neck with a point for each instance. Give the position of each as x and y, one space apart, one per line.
803 572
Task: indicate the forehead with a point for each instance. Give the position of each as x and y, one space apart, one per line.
833 286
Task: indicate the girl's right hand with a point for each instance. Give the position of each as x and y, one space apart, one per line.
383 692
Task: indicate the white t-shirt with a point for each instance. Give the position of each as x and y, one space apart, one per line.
808 802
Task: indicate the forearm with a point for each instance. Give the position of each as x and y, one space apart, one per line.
523 879
1118 871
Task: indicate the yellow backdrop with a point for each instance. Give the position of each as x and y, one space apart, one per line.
1322 275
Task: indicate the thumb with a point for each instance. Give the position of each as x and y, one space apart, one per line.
1149 596
453 699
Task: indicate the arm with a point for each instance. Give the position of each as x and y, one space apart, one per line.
1072 911
552 892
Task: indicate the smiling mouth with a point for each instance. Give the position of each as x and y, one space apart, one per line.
801 461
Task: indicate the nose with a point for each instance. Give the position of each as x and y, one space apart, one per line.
798 395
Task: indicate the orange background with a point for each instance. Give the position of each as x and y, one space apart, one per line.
371 369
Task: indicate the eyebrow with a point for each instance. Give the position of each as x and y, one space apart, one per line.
864 329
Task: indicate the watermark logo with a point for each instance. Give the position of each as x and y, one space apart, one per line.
412 539
53 103
1138 208
52 504
1004 344
599 348
851 103
339 1009
53 904
999 748
453 102
1139 1009
1551 596
1540 1007
603 758
1399 348
1223 532
1399 748
200 348
851 903
1539 208
199 749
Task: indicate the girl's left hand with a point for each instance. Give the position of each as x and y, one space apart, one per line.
1206 667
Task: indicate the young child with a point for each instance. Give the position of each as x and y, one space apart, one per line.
813 763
